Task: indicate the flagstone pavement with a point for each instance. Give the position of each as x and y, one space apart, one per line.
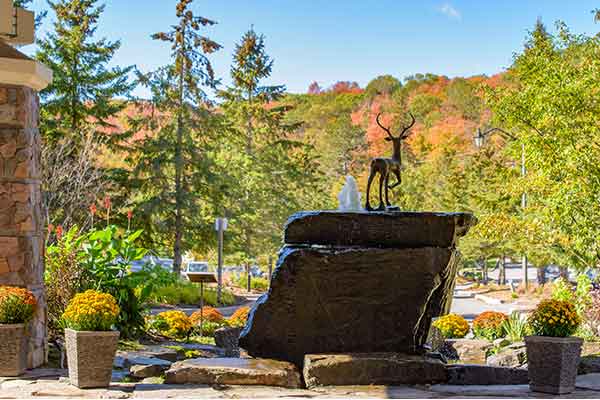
53 383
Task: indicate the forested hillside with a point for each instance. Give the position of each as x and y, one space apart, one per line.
254 153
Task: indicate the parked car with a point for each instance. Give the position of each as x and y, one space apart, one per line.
152 260
194 266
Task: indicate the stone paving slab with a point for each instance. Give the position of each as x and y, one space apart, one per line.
60 388
589 382
234 371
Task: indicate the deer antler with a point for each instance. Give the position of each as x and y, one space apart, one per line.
409 125
383 127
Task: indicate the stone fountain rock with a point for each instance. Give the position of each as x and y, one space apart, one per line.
356 282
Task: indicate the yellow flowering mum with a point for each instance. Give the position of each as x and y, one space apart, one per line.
91 311
557 318
452 326
173 324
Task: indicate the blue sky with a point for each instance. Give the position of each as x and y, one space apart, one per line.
331 40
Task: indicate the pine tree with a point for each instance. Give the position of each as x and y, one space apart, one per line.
271 169
172 166
84 90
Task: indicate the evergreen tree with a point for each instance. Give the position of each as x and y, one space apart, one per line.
272 170
84 90
172 164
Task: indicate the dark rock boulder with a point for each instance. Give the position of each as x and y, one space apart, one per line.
589 365
466 351
510 356
356 297
371 369
378 229
228 339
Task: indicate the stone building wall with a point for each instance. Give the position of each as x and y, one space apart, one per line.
21 221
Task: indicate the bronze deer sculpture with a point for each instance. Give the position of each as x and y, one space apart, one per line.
387 166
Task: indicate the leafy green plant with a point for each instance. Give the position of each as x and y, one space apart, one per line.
515 327
209 327
107 255
580 296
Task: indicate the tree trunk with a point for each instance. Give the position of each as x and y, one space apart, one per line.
484 271
564 273
248 278
178 173
541 275
502 270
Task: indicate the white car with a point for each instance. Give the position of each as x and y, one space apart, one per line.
194 266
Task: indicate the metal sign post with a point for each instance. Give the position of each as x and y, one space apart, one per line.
201 277
220 227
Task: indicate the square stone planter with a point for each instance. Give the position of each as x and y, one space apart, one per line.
552 363
13 351
90 357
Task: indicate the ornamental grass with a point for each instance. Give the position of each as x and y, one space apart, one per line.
91 311
452 326
556 318
17 305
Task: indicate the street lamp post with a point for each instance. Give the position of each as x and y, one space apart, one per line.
479 140
220 227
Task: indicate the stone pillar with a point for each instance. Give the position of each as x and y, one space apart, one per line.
21 222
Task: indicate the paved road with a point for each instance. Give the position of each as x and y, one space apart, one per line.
470 308
515 274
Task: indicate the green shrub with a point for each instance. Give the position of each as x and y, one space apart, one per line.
209 328
580 296
64 277
260 284
185 292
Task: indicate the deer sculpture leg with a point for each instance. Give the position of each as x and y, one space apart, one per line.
382 179
398 179
371 177
387 190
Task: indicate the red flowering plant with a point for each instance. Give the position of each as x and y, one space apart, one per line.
17 305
